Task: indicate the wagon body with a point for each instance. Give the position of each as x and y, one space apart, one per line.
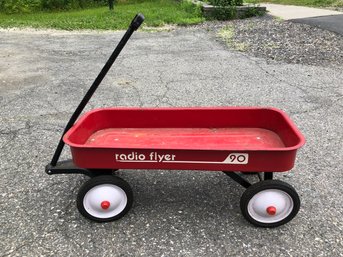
216 138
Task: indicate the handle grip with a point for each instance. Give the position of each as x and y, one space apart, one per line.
137 21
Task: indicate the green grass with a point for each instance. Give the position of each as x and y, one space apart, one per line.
315 3
156 12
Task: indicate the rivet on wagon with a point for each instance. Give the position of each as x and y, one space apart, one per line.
105 205
271 210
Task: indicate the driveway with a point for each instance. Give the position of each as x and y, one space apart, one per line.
44 74
321 18
331 23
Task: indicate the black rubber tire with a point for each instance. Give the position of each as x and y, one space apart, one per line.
264 185
105 179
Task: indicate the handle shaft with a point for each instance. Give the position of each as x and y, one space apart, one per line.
135 23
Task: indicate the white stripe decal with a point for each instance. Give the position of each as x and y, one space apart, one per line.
233 158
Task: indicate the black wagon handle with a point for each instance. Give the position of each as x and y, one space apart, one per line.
135 23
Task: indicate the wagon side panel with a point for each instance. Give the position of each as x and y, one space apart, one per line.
107 158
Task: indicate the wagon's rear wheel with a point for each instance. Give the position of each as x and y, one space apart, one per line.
270 203
104 198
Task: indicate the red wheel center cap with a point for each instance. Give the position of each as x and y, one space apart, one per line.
271 210
105 205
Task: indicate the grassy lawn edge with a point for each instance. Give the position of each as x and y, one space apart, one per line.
157 13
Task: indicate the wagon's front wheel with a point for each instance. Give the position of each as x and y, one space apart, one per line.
104 198
270 203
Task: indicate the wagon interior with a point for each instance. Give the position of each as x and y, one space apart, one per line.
208 129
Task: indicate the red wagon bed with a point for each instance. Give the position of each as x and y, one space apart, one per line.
222 138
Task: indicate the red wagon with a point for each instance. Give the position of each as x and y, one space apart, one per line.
229 139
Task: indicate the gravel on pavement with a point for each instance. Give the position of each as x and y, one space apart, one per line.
285 41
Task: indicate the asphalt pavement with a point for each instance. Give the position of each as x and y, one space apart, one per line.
331 23
322 18
43 76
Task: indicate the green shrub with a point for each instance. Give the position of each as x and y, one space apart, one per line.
226 10
70 4
19 6
25 6
226 3
55 4
252 12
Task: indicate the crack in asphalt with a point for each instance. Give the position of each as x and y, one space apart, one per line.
15 249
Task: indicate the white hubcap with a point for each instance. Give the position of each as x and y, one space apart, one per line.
274 199
114 196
